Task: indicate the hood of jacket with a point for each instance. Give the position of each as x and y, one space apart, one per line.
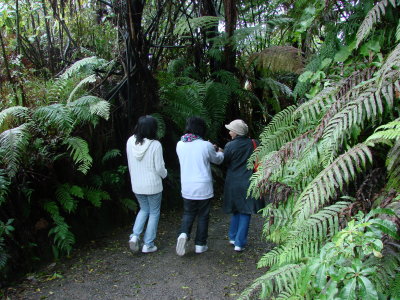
139 150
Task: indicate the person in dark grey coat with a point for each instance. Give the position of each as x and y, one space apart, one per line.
236 202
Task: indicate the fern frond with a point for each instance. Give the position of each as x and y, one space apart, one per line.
13 144
88 109
307 237
326 185
65 194
79 151
4 186
313 108
130 204
185 26
83 82
393 167
63 238
367 106
19 112
277 280
113 153
84 66
55 116
392 62
96 196
385 133
373 17
161 127
342 97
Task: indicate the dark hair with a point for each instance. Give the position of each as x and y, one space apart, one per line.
196 125
146 127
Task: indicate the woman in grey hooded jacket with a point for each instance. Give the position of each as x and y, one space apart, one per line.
146 169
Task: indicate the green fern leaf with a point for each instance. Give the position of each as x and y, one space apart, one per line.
373 17
111 154
15 112
84 66
326 184
83 82
79 151
96 196
13 145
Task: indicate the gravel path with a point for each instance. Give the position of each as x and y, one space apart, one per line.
107 269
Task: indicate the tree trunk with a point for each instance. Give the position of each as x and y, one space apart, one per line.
231 15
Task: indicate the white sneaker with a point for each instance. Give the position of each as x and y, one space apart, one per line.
238 249
200 249
149 249
181 244
134 243
232 242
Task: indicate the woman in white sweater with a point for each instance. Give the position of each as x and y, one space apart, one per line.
195 158
147 169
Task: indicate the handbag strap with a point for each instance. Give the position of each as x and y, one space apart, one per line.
254 143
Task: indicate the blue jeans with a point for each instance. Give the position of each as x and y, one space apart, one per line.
239 228
149 209
201 209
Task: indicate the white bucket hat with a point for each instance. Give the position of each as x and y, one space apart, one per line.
238 126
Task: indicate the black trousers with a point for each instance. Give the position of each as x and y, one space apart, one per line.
201 209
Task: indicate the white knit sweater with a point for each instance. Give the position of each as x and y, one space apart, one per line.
195 160
146 166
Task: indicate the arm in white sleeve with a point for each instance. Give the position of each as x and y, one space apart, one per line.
159 162
215 157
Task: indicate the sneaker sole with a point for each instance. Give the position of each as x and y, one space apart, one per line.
201 251
181 246
134 246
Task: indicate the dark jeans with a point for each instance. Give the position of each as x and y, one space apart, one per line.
201 209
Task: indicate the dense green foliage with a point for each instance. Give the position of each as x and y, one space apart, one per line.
319 82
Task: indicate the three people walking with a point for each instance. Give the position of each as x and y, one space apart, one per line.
147 169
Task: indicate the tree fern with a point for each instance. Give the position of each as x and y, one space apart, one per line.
373 17
331 179
89 109
54 117
79 151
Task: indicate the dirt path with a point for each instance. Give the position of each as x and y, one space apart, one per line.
106 269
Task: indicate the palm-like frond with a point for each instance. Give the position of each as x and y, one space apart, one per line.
79 151
4 184
373 17
332 179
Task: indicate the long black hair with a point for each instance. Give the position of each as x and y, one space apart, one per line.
146 127
196 125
